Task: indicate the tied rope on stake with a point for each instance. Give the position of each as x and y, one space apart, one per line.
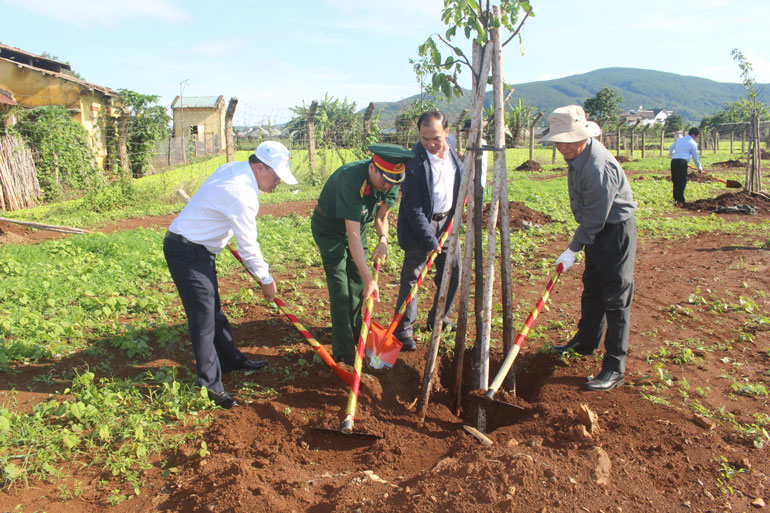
325 356
350 411
514 352
382 347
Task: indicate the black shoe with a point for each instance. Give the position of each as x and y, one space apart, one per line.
575 346
408 344
251 365
222 399
606 380
447 326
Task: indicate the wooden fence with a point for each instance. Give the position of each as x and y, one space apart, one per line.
19 187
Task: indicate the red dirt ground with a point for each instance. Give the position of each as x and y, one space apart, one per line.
636 456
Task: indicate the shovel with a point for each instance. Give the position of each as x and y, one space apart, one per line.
514 351
350 411
382 347
730 184
325 356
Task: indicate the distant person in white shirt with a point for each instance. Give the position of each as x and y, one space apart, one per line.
225 205
681 151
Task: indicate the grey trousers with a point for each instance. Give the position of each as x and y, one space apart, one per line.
608 291
414 259
194 272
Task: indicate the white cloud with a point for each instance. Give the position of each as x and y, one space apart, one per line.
544 75
224 48
103 12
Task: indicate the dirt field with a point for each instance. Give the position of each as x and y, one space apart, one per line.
638 454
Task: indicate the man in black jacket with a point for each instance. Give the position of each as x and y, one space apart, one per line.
429 196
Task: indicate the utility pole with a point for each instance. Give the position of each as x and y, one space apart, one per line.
182 85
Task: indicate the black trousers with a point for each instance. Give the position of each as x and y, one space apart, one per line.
608 291
194 272
410 272
679 178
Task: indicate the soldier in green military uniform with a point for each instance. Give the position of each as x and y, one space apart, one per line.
355 195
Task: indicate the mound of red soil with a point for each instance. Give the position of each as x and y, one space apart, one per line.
698 177
519 216
731 198
729 163
530 165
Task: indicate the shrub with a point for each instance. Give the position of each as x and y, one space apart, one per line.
64 158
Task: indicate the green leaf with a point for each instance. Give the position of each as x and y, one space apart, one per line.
12 471
78 409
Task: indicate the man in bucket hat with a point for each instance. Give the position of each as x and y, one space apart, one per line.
354 196
603 206
225 205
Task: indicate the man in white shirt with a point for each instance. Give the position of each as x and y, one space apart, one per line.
429 196
681 151
225 205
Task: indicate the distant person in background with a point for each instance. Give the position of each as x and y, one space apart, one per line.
603 206
225 205
681 151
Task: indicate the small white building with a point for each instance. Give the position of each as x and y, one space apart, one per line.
646 116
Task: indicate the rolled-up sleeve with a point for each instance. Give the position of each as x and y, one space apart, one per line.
598 192
244 222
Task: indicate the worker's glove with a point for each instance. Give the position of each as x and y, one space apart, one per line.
566 259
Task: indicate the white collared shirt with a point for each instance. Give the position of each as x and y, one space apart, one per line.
443 171
225 205
685 148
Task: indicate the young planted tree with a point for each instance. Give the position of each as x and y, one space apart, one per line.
755 107
478 23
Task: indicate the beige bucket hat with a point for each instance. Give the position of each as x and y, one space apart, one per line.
569 124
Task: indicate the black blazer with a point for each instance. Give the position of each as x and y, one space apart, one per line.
416 208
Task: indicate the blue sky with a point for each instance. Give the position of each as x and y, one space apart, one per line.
275 55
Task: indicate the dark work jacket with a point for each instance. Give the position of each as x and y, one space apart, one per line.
414 230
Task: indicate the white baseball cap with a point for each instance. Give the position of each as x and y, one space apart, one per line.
275 155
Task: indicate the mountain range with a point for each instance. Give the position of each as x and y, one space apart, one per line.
693 98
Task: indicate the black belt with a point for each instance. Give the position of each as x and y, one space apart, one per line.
178 238
439 217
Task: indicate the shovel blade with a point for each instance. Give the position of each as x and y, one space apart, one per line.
381 351
732 184
352 434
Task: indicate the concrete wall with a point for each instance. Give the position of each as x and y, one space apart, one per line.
212 119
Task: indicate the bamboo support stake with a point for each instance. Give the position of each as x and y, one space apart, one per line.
49 227
462 308
475 135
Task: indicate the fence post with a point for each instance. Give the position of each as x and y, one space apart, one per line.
617 149
123 141
732 137
644 139
532 135
311 134
662 138
229 146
